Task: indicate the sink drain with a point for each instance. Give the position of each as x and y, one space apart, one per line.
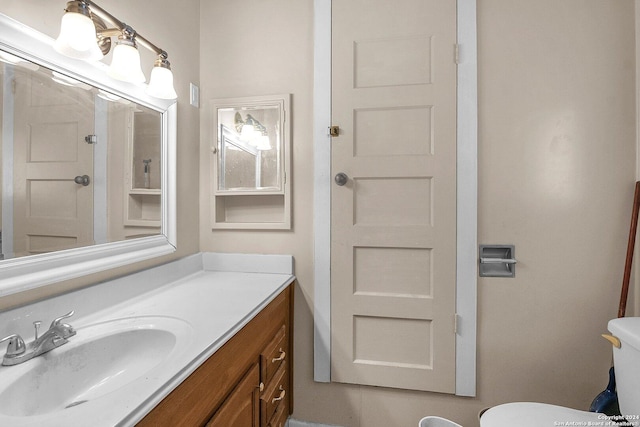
71 405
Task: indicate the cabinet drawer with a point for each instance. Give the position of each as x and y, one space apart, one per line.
273 355
279 419
275 394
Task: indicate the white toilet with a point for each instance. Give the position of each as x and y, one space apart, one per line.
626 360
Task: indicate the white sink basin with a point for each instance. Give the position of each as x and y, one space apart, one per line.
100 359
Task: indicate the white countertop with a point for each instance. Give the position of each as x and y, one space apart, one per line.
214 305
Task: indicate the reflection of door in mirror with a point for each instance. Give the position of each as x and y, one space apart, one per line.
71 154
53 209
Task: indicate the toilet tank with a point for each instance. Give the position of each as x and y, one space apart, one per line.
626 360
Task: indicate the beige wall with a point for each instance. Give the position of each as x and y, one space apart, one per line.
183 49
557 155
557 164
557 167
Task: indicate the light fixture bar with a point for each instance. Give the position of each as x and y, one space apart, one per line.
102 13
125 64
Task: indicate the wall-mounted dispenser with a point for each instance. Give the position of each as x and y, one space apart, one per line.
497 261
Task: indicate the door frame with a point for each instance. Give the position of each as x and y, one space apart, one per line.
6 249
467 195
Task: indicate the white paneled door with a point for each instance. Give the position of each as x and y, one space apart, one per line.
51 210
393 221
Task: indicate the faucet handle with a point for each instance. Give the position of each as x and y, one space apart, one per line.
59 319
16 345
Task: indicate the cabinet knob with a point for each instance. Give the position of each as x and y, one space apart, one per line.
261 386
283 354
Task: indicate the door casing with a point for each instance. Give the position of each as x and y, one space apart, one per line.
467 206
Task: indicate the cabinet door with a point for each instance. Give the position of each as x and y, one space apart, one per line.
242 407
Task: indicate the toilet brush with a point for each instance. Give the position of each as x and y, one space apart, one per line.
607 401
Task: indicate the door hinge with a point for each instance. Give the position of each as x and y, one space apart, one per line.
334 131
456 53
91 139
455 323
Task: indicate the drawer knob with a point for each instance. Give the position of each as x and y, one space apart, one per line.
283 354
279 398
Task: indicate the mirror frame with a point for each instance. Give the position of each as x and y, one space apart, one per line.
30 272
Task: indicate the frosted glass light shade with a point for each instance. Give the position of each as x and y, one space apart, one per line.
161 83
247 132
263 143
77 38
125 65
108 96
8 58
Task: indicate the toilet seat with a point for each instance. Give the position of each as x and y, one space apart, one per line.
529 414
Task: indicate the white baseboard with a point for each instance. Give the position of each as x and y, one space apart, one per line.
297 423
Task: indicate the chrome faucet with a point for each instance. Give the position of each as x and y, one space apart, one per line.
19 352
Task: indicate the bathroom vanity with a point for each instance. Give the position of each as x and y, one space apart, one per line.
205 340
252 370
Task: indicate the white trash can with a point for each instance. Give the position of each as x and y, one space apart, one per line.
437 422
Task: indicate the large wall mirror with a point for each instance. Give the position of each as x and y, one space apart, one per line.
87 166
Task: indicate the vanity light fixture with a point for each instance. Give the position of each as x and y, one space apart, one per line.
107 96
8 58
253 132
77 38
84 35
264 143
125 64
68 81
161 81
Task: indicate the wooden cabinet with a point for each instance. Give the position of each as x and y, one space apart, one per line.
241 409
246 383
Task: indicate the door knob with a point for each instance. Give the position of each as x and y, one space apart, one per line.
341 179
83 180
